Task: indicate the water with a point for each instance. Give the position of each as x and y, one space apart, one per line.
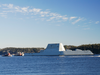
50 65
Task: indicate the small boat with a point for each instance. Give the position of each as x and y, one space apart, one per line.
19 54
8 54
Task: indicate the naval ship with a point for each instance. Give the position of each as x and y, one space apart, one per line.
58 49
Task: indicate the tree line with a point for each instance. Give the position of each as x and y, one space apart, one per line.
13 50
95 48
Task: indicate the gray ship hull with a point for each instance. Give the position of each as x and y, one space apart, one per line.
57 50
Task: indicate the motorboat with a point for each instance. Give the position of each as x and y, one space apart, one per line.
8 54
19 54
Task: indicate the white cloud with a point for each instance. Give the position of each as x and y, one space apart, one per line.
10 6
72 18
19 10
36 19
27 17
42 15
64 18
5 16
85 23
48 20
54 14
21 18
59 17
39 13
86 28
44 12
8 11
76 21
59 21
52 18
2 13
30 10
58 25
24 9
5 4
78 25
90 22
96 22
36 10
42 19
32 16
17 7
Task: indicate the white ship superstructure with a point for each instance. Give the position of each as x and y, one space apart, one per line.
58 49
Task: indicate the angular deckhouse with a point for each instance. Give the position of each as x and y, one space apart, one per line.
58 49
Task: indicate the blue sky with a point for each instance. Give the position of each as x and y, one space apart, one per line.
35 23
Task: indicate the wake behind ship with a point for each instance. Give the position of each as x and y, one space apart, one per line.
58 49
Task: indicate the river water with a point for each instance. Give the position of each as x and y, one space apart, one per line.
50 65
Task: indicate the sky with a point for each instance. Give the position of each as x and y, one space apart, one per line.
35 23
